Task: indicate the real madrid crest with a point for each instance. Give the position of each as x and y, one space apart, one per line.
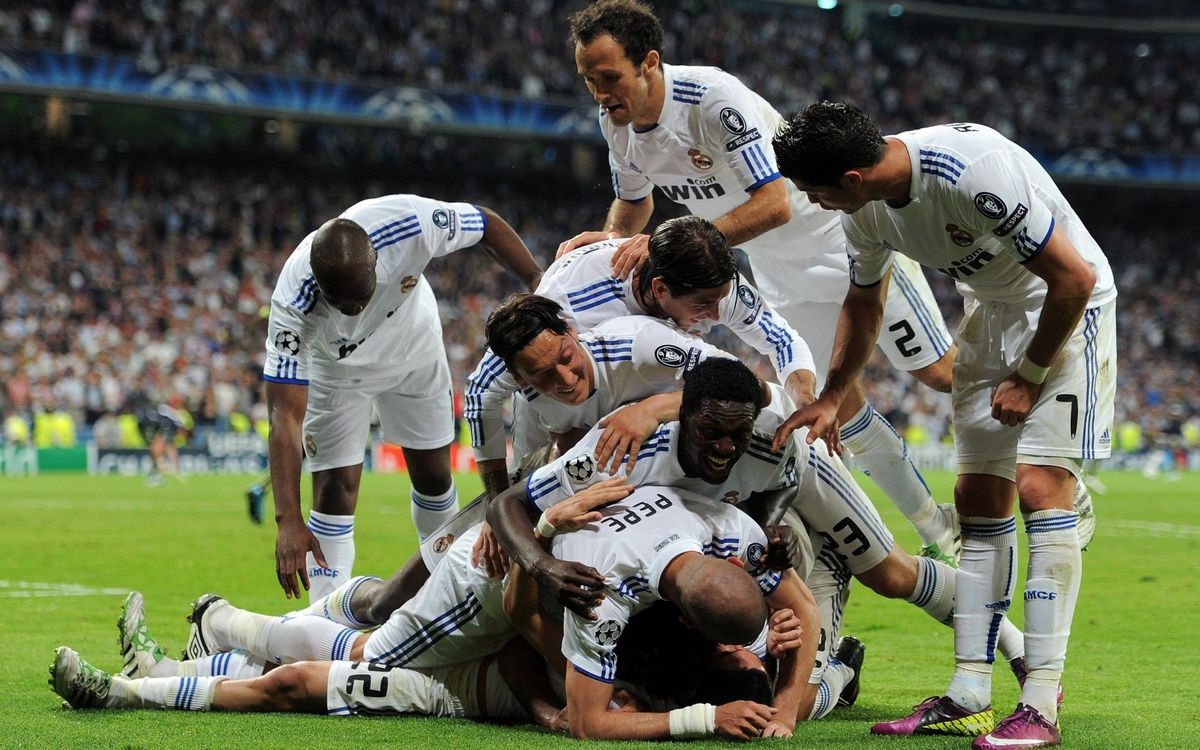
407 284
960 237
442 543
310 445
699 160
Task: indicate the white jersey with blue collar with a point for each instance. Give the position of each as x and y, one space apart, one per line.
632 357
710 149
981 208
760 469
395 333
631 547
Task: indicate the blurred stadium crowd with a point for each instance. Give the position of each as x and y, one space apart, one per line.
125 279
1100 90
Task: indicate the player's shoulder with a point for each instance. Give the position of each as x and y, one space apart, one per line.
591 261
953 154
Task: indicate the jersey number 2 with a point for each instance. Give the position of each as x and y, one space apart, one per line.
909 335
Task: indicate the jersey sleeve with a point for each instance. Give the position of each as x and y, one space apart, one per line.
451 226
732 127
590 646
488 387
996 195
870 257
628 183
567 474
747 314
662 353
289 348
753 553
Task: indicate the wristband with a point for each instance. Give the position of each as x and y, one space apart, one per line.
695 720
545 528
1032 371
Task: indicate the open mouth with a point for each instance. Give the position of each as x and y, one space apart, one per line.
718 464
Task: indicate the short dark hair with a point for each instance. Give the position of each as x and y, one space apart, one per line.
720 379
826 140
630 23
720 686
519 320
688 253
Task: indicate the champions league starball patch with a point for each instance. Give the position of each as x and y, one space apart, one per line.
746 295
608 633
990 205
733 121
669 355
288 342
581 468
756 555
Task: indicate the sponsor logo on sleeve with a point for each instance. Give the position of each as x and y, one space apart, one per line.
700 160
693 359
742 140
1012 221
990 205
288 342
581 468
733 121
669 355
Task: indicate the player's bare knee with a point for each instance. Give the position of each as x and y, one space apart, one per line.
1041 487
286 688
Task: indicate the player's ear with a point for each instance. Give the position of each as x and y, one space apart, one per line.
658 287
651 61
851 180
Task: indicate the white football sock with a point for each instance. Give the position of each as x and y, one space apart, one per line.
429 512
233 628
336 535
985 584
183 693
1051 590
934 592
335 605
833 680
290 639
236 665
881 453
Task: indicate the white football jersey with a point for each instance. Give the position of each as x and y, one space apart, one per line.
981 208
632 357
759 469
710 149
582 283
393 332
632 545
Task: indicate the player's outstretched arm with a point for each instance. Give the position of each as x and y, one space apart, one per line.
579 587
629 426
858 328
506 247
625 219
525 674
767 208
286 404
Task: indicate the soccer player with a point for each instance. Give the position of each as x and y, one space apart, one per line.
1034 380
721 447
690 277
703 138
354 327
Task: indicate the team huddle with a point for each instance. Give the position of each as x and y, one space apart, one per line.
669 551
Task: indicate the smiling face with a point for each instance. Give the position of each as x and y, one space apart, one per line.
623 88
692 308
715 437
556 366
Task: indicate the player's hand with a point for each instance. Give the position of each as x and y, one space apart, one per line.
581 239
783 546
579 510
292 546
1013 399
488 554
624 432
629 255
820 417
784 633
777 729
743 720
576 586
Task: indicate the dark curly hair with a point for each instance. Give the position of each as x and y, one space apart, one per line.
630 23
826 140
688 253
720 379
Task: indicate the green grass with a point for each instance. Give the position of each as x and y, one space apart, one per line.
1132 674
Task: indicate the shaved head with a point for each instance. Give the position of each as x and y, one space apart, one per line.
343 263
721 600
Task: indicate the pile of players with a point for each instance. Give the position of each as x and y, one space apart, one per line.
676 561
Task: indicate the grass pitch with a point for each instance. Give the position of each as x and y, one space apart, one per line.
72 546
